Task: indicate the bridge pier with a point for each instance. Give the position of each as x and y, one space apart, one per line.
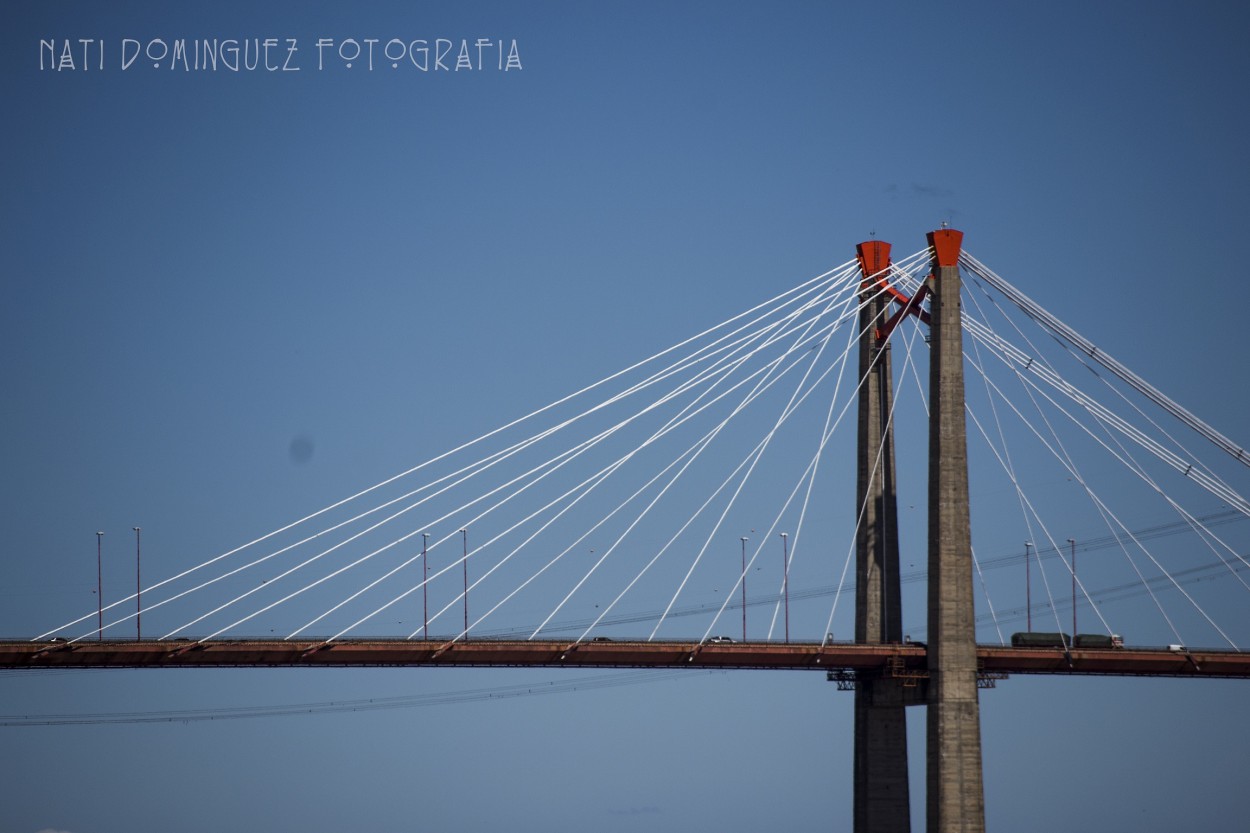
955 794
882 800
955 798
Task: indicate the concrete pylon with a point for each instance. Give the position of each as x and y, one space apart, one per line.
955 795
882 801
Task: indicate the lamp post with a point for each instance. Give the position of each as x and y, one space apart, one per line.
744 588
785 579
138 591
99 586
1028 591
1072 544
425 585
464 534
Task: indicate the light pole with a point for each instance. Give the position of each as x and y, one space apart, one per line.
1072 544
138 591
785 579
744 588
425 585
464 534
1028 591
99 586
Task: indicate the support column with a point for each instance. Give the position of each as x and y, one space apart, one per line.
955 795
882 801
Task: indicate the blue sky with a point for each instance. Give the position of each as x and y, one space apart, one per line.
203 268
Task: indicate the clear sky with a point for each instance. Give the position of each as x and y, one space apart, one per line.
234 297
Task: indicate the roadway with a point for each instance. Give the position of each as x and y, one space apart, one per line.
909 660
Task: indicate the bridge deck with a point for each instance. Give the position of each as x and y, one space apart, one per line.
609 654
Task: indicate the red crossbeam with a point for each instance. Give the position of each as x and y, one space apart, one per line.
874 261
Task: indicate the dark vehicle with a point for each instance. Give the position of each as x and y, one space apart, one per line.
1037 639
1098 640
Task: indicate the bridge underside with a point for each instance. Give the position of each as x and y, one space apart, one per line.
868 660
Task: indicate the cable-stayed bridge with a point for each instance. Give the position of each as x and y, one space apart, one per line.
704 495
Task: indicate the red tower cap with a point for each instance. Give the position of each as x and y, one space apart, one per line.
946 243
874 255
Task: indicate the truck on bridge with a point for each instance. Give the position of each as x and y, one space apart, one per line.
1040 639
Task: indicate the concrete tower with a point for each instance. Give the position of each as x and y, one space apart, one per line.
955 796
882 802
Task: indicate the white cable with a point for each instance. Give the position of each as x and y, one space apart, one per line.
705 439
514 449
775 299
762 385
753 457
859 518
681 388
1094 497
1066 461
1001 346
808 475
1079 356
1035 311
673 423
